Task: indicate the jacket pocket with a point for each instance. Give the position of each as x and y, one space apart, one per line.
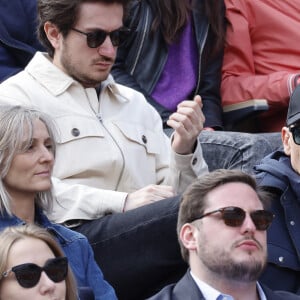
141 135
72 128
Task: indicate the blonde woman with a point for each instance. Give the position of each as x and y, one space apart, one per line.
33 266
27 152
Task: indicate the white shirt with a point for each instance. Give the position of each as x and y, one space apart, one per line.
210 293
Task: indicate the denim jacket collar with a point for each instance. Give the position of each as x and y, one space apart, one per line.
40 218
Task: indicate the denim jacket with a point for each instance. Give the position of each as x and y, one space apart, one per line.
141 60
78 251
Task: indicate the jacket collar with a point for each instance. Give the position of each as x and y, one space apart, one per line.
275 170
7 220
187 289
56 82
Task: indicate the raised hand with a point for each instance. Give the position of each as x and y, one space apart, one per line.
187 123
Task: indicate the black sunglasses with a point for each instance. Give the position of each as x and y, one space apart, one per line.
28 275
295 130
96 38
234 216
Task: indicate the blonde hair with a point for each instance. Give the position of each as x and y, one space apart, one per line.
15 123
10 235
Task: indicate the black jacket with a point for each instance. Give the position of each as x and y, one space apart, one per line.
18 39
276 174
186 289
140 61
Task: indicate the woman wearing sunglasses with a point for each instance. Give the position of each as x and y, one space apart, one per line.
27 152
33 266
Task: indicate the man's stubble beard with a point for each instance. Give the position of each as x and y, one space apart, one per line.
85 79
224 265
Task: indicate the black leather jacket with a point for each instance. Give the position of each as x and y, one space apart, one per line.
141 60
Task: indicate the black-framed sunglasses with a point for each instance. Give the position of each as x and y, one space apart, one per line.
96 38
234 216
295 130
29 274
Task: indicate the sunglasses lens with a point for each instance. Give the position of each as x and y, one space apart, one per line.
233 216
296 134
57 269
28 275
118 37
262 219
96 38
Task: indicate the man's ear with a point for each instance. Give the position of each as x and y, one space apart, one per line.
286 137
53 34
188 236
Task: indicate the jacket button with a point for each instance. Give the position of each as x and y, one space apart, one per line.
75 132
144 139
194 161
281 259
292 223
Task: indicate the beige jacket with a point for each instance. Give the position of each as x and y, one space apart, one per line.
106 148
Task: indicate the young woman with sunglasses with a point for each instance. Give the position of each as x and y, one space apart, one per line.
27 152
33 266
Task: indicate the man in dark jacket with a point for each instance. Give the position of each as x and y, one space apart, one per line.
18 41
279 173
221 227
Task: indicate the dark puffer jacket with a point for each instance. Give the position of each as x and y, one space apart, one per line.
277 175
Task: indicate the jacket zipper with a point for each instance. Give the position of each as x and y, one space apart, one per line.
98 115
142 42
200 58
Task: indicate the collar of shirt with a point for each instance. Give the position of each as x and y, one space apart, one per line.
211 293
261 293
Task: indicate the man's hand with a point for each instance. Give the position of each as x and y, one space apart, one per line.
187 123
149 194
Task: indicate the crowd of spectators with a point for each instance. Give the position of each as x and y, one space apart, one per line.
136 90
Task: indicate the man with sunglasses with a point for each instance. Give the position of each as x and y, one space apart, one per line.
221 227
114 164
279 173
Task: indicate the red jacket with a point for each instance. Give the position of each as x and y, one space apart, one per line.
262 55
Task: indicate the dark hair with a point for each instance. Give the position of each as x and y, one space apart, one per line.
172 15
193 201
64 14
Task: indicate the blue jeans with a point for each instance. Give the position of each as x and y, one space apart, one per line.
235 150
